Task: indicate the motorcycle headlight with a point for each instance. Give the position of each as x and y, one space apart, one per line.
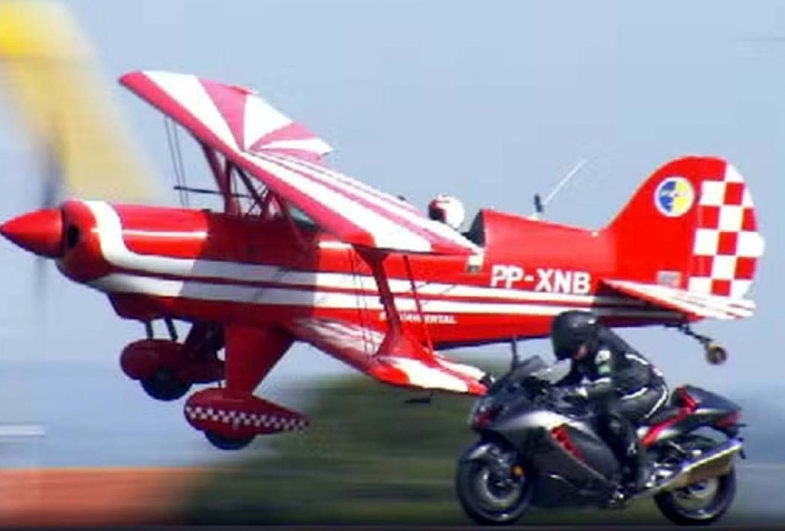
473 412
483 413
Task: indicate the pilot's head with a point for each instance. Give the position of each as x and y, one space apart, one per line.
448 210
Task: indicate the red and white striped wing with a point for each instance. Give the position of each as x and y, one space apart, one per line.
283 155
359 347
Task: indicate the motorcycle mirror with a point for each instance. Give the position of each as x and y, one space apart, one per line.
516 359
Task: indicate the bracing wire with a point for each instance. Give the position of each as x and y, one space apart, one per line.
170 145
173 142
179 155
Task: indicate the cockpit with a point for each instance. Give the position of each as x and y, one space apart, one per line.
476 232
450 211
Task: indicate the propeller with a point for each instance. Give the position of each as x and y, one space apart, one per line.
51 195
51 78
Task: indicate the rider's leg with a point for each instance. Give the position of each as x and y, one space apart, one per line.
634 411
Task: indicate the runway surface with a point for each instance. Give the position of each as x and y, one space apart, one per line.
149 497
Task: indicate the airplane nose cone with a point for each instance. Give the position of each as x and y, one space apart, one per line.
39 232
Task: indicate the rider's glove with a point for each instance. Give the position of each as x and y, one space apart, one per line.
576 395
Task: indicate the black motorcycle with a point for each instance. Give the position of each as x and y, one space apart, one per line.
536 449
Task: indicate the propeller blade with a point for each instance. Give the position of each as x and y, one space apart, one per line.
40 278
48 65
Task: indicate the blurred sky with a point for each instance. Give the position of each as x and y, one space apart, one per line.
489 100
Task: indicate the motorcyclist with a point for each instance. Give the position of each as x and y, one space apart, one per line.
607 371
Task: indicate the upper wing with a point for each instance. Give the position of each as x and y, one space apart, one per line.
283 155
688 302
361 348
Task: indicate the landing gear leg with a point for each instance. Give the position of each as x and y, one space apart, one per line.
166 369
232 416
715 353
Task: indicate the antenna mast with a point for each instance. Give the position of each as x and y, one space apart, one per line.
539 204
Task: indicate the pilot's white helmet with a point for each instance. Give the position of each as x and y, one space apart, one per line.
447 209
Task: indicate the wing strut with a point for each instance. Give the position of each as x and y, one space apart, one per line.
223 178
397 357
396 342
417 303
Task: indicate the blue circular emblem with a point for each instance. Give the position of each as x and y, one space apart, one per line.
674 196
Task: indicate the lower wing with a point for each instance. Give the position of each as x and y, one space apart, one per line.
365 349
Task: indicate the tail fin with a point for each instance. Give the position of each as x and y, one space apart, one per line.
692 226
48 69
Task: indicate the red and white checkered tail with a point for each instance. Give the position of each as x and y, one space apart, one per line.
691 226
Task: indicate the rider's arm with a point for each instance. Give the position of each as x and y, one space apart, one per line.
604 384
599 388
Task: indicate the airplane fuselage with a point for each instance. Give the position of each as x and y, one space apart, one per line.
198 265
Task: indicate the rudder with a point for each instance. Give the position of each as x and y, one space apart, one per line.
691 225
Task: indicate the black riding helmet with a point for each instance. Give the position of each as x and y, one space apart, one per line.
570 330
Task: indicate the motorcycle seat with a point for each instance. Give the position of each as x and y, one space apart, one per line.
663 414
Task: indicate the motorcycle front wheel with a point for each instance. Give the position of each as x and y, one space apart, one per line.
489 495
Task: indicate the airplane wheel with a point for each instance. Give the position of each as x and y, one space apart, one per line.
716 355
223 442
165 385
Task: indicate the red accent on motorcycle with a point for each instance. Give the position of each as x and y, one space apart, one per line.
484 418
686 399
654 432
688 407
562 436
729 420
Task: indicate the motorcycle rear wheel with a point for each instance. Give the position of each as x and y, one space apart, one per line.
487 500
701 503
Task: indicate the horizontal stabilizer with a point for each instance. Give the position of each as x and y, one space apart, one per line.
701 305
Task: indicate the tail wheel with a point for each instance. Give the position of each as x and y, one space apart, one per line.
165 385
715 354
222 442
490 494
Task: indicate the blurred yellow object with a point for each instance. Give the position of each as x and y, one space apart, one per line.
51 74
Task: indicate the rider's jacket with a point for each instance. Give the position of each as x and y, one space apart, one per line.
612 369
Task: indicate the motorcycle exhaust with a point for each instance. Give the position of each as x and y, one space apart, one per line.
714 463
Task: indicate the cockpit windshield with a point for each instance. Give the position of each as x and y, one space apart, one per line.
476 232
271 209
301 218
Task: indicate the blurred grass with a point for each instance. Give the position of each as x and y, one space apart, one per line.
368 458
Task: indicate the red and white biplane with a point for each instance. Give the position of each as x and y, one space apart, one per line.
304 253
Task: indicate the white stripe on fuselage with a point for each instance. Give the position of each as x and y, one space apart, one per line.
197 273
129 283
174 234
115 251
